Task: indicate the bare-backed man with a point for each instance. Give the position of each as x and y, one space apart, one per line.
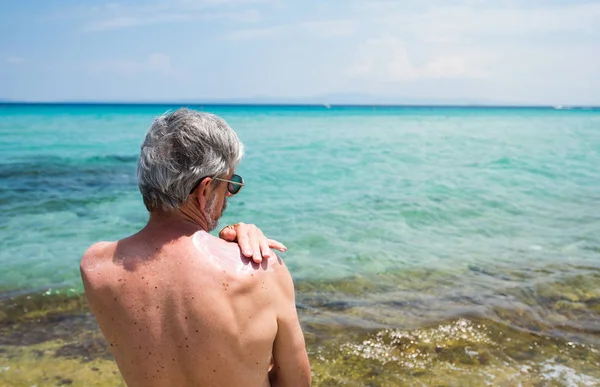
178 306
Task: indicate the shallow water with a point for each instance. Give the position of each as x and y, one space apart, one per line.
399 221
53 340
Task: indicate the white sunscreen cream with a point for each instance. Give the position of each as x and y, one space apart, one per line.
227 255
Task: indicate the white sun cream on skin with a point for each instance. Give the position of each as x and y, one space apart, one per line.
227 255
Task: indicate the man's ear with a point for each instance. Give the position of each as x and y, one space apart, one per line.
204 191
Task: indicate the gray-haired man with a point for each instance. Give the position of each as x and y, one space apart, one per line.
178 306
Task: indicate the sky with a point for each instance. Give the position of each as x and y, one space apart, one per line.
354 51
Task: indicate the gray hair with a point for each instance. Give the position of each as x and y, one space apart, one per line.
179 149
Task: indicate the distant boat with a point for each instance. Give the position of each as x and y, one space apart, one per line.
328 106
557 107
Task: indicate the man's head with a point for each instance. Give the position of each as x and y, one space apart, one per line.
185 156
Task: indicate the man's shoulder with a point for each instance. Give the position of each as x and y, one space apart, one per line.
277 264
96 255
272 270
277 273
281 271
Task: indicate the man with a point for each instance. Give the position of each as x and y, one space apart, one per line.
178 306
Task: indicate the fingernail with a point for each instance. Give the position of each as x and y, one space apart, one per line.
247 253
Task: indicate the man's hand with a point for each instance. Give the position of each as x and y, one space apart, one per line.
253 243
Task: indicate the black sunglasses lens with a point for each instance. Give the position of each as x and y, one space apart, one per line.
237 179
235 188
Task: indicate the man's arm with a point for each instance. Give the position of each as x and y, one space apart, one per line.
291 366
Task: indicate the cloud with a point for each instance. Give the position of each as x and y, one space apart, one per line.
329 27
468 19
387 59
116 23
116 16
251 33
154 63
511 50
508 50
15 59
321 29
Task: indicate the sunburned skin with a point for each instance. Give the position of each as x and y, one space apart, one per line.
227 255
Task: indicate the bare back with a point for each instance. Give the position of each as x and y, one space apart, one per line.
192 312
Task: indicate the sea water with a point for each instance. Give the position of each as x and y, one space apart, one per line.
394 217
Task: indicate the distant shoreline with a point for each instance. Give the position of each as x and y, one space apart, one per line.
292 105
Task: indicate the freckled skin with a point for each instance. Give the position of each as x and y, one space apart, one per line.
194 312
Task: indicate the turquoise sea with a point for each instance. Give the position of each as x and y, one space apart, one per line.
404 225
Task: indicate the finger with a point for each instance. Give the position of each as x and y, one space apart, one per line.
264 248
276 245
228 233
254 242
243 240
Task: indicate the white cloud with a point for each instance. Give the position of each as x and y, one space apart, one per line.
154 63
118 22
15 59
469 19
387 59
113 24
321 29
508 50
329 27
251 33
116 16
453 66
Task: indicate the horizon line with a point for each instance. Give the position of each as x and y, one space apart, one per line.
294 104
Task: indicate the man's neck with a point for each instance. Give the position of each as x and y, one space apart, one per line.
173 224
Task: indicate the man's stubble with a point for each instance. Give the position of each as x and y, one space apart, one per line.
211 211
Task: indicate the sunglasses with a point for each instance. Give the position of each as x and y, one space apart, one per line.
233 186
